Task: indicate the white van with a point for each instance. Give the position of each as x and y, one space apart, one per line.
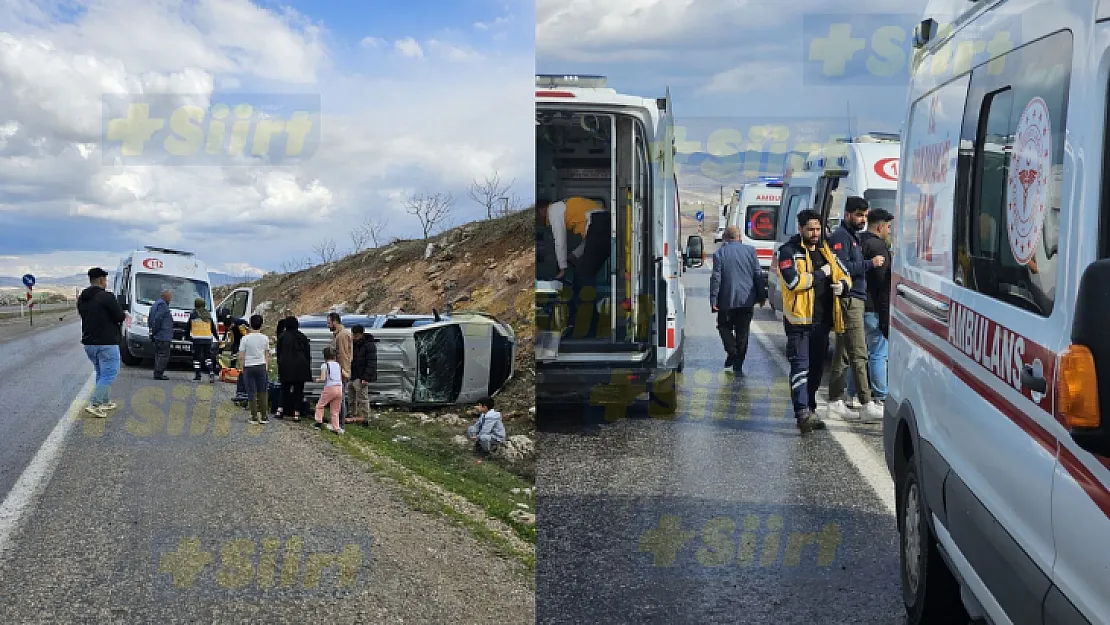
138 285
754 210
999 362
871 161
722 221
617 150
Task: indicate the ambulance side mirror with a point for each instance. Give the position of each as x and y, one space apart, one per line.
1089 329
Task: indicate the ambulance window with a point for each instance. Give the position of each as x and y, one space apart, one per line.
798 202
1011 221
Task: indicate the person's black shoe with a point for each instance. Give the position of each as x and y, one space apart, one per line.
809 423
160 376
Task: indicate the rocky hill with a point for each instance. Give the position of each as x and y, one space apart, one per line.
487 266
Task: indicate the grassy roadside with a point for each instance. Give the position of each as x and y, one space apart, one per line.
429 451
422 499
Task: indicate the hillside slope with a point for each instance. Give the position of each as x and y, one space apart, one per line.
487 266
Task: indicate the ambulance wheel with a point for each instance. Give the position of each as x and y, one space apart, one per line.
663 398
929 590
127 357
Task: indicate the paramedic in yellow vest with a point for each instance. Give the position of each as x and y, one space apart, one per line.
589 220
813 279
202 331
573 215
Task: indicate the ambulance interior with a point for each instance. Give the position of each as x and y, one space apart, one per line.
575 157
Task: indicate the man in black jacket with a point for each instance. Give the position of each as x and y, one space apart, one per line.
851 346
364 370
101 317
876 318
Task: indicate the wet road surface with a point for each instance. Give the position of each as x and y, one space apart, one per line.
174 509
724 514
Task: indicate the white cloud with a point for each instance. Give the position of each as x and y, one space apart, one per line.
579 31
372 42
376 133
57 264
409 47
497 23
453 52
757 77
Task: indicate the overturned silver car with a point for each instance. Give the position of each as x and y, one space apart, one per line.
422 360
426 360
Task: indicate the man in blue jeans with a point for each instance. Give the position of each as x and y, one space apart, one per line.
101 317
876 318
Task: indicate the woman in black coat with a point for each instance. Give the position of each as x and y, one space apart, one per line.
294 359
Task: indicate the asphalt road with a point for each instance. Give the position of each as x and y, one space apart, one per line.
724 514
174 509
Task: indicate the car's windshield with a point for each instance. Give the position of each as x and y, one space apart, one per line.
148 288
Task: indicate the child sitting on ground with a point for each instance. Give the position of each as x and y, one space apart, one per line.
332 395
488 432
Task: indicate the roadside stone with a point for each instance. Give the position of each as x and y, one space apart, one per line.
461 440
520 516
429 251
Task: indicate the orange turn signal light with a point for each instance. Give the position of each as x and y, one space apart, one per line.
1077 389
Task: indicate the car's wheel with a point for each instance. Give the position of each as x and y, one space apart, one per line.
929 590
126 356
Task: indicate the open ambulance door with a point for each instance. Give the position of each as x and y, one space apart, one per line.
239 303
826 197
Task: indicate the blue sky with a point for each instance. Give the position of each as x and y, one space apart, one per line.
737 66
413 97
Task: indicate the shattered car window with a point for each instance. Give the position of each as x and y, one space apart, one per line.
440 359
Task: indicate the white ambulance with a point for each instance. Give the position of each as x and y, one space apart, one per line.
871 161
999 368
139 281
754 210
617 150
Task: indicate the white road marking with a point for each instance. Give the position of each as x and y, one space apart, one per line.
869 464
27 489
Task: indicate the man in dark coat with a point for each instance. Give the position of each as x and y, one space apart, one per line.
101 316
364 370
160 322
294 358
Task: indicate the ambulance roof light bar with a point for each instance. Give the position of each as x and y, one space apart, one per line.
582 81
165 250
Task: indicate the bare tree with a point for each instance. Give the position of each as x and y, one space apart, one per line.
371 231
294 265
375 229
433 210
490 193
325 251
359 239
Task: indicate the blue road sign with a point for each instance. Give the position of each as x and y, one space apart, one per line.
700 216
28 281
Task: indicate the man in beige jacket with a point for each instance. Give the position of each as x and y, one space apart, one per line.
343 343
